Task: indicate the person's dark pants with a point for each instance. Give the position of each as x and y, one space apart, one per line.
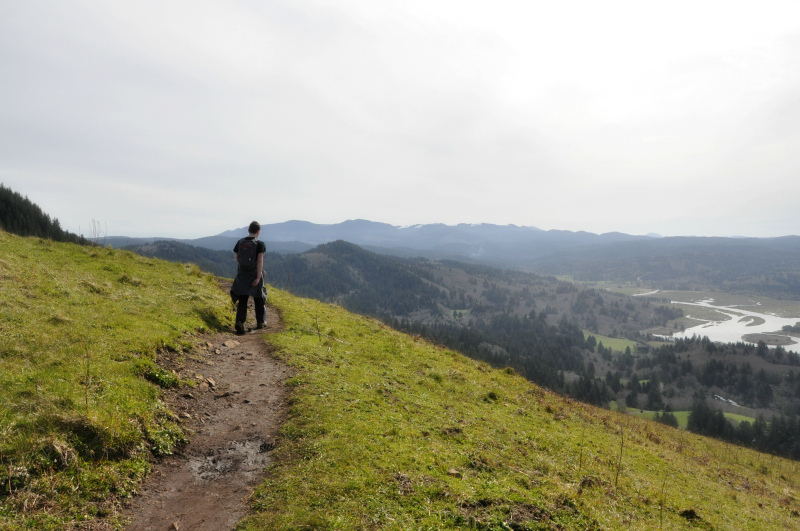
241 309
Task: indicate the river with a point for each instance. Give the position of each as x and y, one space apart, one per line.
740 322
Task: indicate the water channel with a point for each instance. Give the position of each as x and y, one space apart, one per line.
741 321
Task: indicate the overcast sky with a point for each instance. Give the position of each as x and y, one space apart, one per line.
186 119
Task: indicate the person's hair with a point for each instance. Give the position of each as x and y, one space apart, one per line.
254 227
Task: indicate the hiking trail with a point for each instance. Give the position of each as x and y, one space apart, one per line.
231 418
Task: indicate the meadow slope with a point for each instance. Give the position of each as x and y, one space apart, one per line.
387 431
81 329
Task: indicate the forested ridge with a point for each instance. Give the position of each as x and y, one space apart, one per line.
220 263
20 216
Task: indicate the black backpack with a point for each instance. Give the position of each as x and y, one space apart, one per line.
248 254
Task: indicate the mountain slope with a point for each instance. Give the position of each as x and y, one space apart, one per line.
766 266
80 332
389 432
386 430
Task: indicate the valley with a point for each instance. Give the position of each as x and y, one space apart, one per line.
626 345
90 411
382 427
731 318
740 323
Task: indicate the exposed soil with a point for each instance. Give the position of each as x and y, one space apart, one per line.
232 418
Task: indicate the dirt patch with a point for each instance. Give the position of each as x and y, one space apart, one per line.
232 417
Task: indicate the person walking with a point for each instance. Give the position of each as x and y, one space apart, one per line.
249 281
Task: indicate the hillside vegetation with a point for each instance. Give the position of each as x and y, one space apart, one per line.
80 329
387 431
565 337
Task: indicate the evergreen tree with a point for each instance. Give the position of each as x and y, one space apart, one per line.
18 215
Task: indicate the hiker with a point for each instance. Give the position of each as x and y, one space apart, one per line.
249 281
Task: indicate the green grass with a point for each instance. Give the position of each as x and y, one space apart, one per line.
615 343
683 416
386 431
736 418
80 328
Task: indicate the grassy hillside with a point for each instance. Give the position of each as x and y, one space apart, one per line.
80 328
389 432
385 430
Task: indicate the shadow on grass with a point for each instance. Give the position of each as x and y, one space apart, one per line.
213 319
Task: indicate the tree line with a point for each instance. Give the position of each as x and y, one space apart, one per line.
20 216
779 436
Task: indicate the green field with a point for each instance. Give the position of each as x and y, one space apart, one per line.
683 416
656 344
615 343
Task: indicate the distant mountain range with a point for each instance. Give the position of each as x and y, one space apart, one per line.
767 266
503 245
465 239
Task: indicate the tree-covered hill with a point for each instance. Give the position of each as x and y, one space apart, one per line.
428 291
19 215
220 263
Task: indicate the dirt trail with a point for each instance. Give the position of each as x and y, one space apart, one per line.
232 418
